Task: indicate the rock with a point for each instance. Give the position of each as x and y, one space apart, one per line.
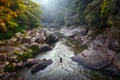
19 65
41 65
115 67
13 58
6 76
44 47
6 49
3 57
26 40
69 32
31 62
16 78
51 38
2 66
114 45
83 30
95 59
73 30
52 25
32 44
108 42
13 39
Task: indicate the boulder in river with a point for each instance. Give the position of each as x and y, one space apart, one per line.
44 47
95 59
51 38
31 62
41 65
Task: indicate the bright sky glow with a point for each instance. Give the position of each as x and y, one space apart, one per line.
42 2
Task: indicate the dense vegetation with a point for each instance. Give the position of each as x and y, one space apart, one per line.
96 12
101 12
17 15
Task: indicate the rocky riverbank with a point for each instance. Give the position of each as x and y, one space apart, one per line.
15 52
102 53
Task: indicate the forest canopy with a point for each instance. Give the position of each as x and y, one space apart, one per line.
17 15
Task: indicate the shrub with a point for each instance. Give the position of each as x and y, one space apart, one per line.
24 56
10 67
35 49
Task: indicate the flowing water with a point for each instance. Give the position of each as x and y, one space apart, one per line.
65 69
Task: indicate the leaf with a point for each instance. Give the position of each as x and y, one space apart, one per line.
12 24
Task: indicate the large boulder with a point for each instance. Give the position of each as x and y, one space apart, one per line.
31 62
111 43
44 47
95 59
69 32
41 65
73 30
51 38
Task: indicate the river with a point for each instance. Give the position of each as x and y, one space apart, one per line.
65 69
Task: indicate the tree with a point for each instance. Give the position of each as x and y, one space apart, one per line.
17 15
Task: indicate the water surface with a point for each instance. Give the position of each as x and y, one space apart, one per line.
65 70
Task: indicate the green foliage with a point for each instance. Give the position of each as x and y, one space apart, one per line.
6 35
105 8
114 11
9 67
22 19
24 56
92 14
14 16
12 24
75 13
10 33
35 49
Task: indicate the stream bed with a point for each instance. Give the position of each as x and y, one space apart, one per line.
65 69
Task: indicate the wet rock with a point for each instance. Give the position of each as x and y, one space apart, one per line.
41 65
96 59
31 62
16 78
44 47
51 38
